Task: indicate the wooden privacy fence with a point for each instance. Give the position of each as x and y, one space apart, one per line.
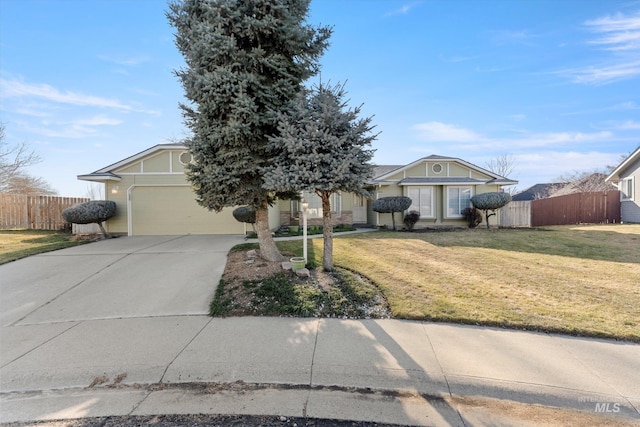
35 212
579 208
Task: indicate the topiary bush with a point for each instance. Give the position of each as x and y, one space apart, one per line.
91 212
490 202
391 205
473 217
245 214
410 219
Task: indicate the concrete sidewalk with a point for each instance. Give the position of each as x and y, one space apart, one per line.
392 371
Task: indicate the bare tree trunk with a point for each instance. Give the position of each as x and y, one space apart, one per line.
104 232
327 232
268 249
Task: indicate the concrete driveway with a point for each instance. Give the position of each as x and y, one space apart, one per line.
124 277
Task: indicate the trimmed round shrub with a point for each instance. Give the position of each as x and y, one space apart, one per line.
94 211
245 214
391 205
490 201
410 219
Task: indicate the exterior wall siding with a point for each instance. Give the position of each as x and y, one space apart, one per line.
630 209
417 170
161 162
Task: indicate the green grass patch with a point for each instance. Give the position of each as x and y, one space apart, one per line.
16 244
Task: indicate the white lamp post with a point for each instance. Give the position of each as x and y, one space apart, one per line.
305 206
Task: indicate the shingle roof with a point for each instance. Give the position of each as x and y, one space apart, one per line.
380 170
538 191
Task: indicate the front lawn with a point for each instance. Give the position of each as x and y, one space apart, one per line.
582 280
16 244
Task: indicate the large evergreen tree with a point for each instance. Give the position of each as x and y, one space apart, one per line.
322 146
246 61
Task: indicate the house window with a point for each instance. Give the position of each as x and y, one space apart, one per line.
315 204
626 189
421 200
458 198
437 168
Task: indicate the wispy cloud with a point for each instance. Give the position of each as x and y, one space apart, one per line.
31 112
617 32
622 125
466 139
438 131
548 165
125 60
517 37
620 36
601 75
74 129
404 9
16 88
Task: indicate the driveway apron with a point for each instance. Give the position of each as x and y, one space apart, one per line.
124 277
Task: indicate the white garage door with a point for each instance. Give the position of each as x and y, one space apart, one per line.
171 210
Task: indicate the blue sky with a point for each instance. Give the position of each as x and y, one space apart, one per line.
555 84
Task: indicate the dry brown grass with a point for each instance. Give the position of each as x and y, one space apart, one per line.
581 280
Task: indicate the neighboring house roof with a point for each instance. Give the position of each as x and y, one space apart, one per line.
615 175
593 182
537 191
382 173
106 174
379 170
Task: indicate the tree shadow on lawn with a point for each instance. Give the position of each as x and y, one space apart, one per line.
575 242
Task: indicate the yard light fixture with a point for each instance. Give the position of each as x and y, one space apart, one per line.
115 189
305 206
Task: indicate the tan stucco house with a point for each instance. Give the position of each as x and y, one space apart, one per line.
153 196
440 188
625 177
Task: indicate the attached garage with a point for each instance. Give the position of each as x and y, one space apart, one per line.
172 209
153 196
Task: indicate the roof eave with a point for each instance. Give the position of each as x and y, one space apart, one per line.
140 155
614 176
97 177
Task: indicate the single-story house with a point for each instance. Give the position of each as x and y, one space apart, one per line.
153 195
440 188
625 177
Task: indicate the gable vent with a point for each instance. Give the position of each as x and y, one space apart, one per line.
185 158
